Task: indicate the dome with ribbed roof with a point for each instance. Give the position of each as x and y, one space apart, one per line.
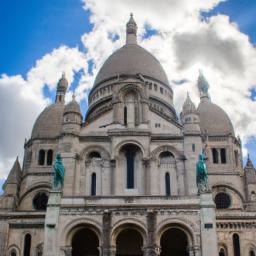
49 122
213 119
131 59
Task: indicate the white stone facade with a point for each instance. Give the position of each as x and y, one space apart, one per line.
130 167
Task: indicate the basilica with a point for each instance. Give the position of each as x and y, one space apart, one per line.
130 172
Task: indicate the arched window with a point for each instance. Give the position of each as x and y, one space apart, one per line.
222 200
193 147
130 153
13 252
222 252
41 157
40 201
167 184
93 184
39 250
27 245
166 157
223 156
94 155
125 115
215 157
49 157
236 245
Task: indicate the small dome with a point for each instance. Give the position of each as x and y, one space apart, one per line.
49 122
73 107
213 119
131 59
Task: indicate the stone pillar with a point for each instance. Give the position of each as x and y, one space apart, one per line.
107 249
209 242
51 224
112 179
197 251
190 251
151 249
146 165
3 236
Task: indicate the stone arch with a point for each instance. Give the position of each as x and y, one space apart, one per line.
251 247
75 225
130 87
13 247
223 248
103 152
38 185
33 190
120 145
129 223
156 152
226 186
187 227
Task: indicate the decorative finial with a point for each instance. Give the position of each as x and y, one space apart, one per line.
63 75
73 96
203 85
131 31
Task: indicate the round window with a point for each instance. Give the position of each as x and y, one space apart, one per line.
222 200
40 201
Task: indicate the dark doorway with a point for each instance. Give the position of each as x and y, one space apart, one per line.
85 243
129 242
174 242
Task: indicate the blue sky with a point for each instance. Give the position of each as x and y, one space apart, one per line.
30 29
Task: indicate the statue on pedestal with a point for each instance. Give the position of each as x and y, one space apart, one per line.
202 175
59 172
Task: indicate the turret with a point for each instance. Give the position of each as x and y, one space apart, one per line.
192 142
250 180
72 117
131 31
61 89
190 117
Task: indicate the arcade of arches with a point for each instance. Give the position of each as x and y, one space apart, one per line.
130 242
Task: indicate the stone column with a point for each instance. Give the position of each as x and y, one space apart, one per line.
51 224
146 165
209 242
3 235
151 249
112 181
190 251
107 249
197 251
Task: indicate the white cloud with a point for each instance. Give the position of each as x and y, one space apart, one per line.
21 100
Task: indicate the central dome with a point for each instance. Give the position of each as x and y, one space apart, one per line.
131 59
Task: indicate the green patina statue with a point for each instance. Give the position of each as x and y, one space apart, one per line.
202 175
59 171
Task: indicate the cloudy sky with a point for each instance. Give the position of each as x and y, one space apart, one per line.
41 39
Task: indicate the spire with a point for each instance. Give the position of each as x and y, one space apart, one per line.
249 164
14 175
203 86
61 89
188 106
131 31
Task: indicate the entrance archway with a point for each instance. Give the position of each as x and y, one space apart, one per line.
129 242
174 241
85 243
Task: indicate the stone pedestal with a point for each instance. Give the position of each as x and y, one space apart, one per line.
51 224
208 226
